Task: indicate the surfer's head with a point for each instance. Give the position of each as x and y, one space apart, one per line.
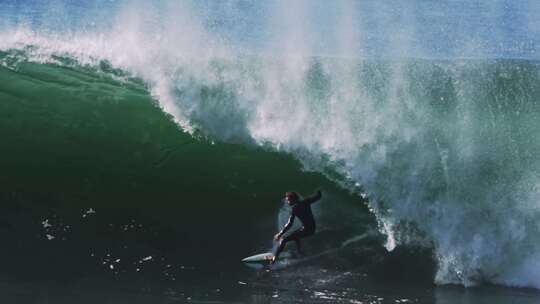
291 197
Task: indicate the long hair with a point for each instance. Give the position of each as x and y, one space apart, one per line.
293 195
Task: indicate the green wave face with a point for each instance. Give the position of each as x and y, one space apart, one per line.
78 139
81 133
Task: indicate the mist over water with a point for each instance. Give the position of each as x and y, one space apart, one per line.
430 110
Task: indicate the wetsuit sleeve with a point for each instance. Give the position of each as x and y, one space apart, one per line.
288 225
312 199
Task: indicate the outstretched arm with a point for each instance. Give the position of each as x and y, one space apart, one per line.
285 228
312 199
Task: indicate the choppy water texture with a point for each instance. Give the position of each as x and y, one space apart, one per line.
145 150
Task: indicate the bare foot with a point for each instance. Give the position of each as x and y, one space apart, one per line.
271 259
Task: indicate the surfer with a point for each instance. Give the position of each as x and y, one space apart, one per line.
302 210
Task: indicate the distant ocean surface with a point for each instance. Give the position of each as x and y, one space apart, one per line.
145 150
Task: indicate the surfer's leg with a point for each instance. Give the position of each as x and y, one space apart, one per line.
280 249
299 234
283 242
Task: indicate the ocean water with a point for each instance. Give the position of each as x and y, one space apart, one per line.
145 149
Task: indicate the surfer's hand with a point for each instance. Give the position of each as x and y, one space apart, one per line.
277 237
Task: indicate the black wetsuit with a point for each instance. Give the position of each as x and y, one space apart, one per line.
302 210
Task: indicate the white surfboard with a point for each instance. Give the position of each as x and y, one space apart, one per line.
259 258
